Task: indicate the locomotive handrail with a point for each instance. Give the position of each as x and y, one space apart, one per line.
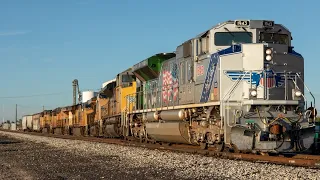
296 85
314 99
147 92
229 93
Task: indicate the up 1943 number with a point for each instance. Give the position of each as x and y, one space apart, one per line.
242 23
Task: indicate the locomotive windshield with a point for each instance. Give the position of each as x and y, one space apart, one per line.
274 38
126 78
229 38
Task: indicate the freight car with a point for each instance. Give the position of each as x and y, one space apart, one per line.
239 86
36 122
24 123
27 123
6 125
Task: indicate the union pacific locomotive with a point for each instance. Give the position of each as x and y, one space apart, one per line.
239 85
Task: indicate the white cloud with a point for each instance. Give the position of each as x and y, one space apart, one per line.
13 33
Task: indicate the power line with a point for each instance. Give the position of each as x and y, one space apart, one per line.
36 95
30 107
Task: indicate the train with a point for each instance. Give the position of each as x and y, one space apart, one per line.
236 86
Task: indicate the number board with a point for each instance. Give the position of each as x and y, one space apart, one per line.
242 23
268 23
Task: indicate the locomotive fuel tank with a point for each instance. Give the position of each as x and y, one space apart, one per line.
168 126
169 115
175 132
152 116
111 130
173 115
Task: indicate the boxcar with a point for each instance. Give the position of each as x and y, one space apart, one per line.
29 123
24 123
36 122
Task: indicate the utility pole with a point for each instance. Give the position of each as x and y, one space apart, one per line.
74 85
16 113
42 108
2 113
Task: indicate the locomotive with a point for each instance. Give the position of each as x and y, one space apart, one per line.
239 85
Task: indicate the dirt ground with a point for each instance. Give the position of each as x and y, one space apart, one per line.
26 160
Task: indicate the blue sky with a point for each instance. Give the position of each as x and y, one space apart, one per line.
44 45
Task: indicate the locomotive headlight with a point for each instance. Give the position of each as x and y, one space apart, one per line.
268 57
254 93
298 93
268 51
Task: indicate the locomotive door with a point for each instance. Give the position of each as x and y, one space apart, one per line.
186 82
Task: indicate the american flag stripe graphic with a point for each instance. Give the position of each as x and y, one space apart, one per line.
269 81
169 86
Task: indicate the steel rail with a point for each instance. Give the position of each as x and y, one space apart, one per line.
300 160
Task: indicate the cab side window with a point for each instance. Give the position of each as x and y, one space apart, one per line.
126 80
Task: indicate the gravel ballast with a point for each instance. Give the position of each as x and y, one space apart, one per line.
39 157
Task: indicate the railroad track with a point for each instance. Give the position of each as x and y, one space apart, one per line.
300 160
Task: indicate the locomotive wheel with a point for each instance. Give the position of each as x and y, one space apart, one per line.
219 146
141 139
70 131
146 140
81 131
234 148
203 145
